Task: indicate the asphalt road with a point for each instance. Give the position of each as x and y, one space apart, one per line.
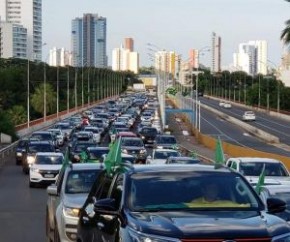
270 124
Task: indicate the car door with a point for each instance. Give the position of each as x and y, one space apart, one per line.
107 226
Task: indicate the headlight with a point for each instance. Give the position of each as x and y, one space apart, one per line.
125 151
71 212
141 237
142 151
30 159
159 147
18 154
143 137
282 238
34 169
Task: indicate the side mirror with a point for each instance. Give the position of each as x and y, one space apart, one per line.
52 190
275 205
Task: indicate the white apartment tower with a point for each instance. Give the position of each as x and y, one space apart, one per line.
165 61
59 57
252 57
27 13
13 41
216 53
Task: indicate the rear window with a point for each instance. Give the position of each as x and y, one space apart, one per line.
255 169
40 148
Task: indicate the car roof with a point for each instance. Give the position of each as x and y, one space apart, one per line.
255 159
49 154
127 134
182 158
280 188
85 166
98 148
149 168
165 150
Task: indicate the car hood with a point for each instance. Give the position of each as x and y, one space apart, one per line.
75 200
158 161
133 148
208 224
270 180
47 167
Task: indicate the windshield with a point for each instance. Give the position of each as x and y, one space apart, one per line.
132 142
40 148
49 160
149 131
97 154
190 191
80 181
166 140
255 169
165 154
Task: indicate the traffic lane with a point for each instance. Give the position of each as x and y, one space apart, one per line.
271 124
22 210
214 126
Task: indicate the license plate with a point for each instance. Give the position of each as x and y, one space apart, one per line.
49 175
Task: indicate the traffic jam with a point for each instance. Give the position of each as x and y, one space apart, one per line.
113 174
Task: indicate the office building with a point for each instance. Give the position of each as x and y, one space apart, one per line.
125 60
59 57
129 44
216 53
165 61
89 41
252 57
193 58
28 14
13 41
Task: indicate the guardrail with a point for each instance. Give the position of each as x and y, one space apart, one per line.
6 153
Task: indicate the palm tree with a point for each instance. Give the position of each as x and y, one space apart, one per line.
285 35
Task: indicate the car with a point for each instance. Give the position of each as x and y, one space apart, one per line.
45 168
182 160
44 136
251 168
159 156
277 191
249 116
31 148
134 146
59 136
96 133
165 141
96 153
20 148
77 148
148 135
221 103
156 203
66 197
227 105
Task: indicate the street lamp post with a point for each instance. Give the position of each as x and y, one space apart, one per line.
67 91
44 91
57 91
28 90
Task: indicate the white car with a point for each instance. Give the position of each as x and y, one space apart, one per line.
96 133
251 168
221 103
249 116
227 105
45 168
159 156
58 135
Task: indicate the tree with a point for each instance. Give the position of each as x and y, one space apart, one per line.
37 99
17 115
285 35
6 125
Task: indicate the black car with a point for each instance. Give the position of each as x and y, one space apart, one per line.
31 148
134 146
20 148
77 147
182 160
148 135
163 203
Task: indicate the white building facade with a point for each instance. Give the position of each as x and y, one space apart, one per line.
59 57
13 41
27 13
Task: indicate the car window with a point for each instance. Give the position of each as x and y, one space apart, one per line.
48 160
165 154
132 142
255 169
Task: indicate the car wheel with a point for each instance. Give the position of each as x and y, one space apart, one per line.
56 234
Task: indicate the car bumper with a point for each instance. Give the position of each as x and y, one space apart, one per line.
68 229
36 177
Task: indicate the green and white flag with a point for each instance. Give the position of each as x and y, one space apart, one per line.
261 181
113 158
219 152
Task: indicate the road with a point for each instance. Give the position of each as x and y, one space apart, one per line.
270 124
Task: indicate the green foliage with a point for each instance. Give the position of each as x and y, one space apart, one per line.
6 125
171 90
17 115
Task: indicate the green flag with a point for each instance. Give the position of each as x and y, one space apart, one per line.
261 181
65 160
114 157
219 153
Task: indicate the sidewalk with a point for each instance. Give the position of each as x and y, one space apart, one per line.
181 131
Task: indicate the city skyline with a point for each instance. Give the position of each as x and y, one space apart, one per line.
174 26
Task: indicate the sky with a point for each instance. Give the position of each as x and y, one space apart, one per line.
173 25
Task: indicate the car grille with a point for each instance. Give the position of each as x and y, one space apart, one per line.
48 173
230 240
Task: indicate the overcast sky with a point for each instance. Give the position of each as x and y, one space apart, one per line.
176 25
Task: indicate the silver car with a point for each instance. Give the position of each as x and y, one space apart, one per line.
66 197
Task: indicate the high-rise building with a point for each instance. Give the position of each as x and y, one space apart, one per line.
89 41
165 61
193 58
27 13
129 44
13 41
252 57
216 53
59 57
124 60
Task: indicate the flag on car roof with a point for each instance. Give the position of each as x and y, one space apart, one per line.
261 181
113 158
219 152
65 160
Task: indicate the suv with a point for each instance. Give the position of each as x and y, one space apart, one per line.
20 148
134 146
251 168
135 206
31 148
66 197
165 141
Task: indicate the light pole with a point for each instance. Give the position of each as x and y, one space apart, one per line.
28 90
57 91
67 91
44 91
